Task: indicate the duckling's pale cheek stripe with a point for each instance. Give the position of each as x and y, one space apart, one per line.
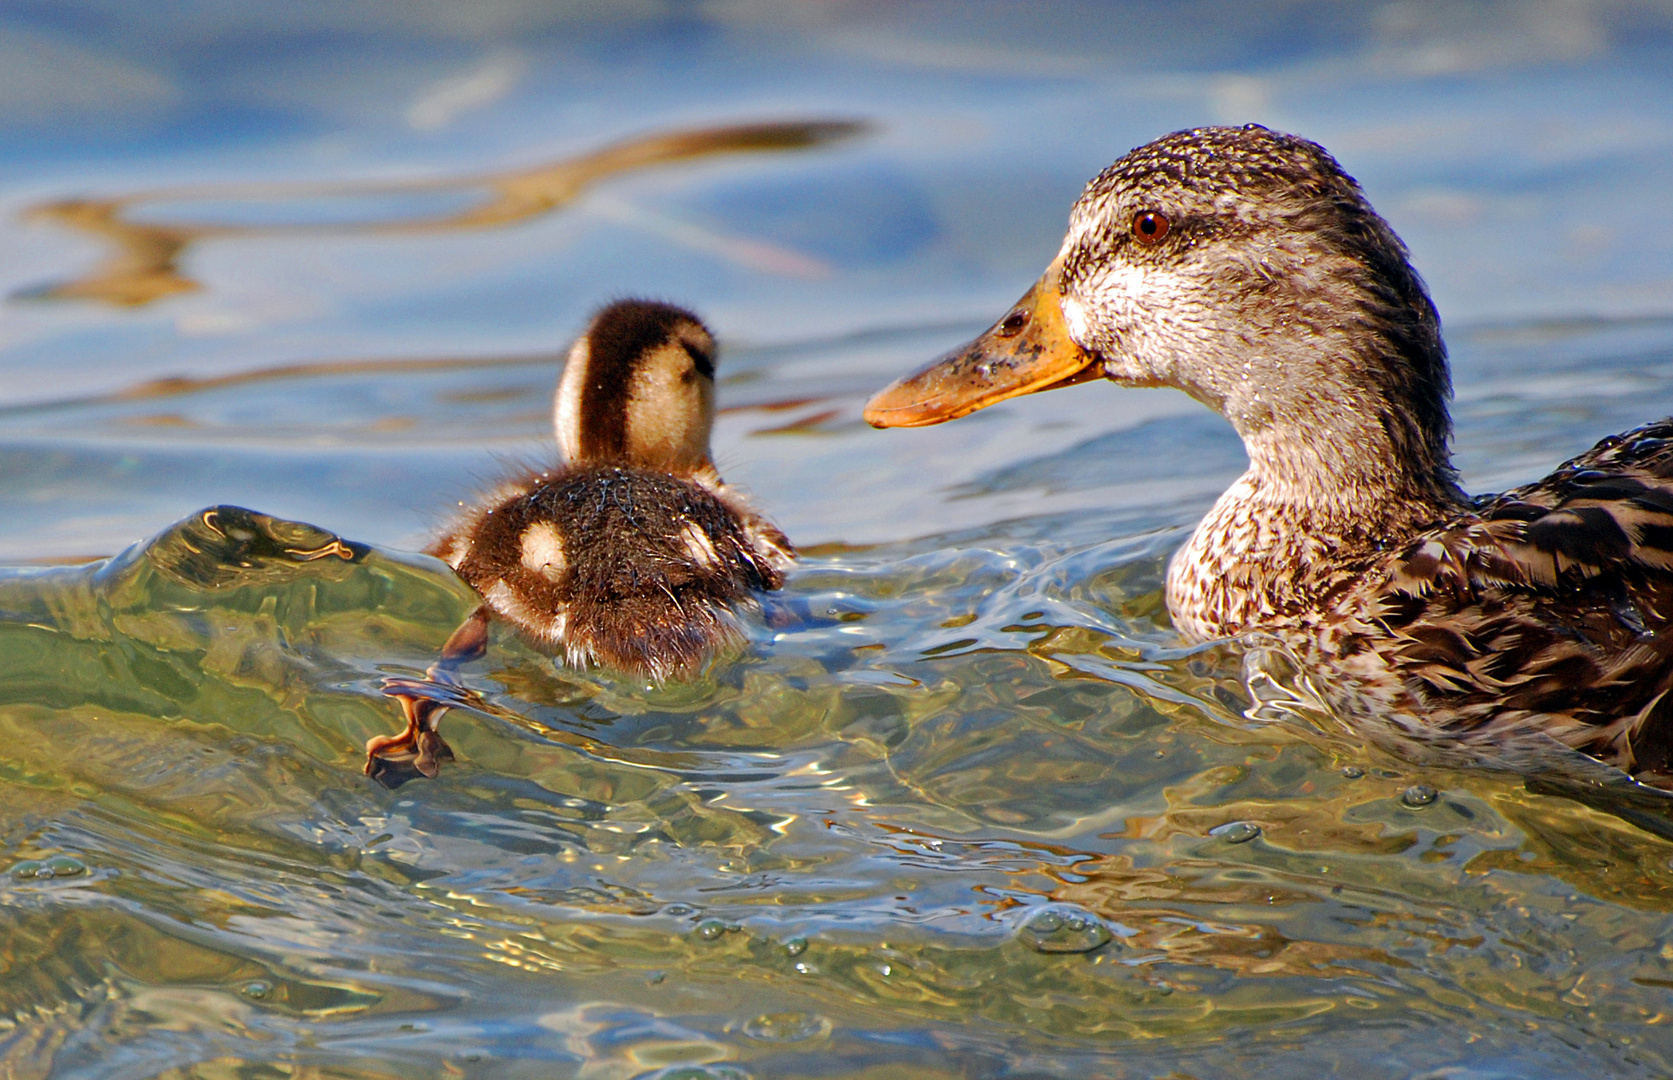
670 410
566 409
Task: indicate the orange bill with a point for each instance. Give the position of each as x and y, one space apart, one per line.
1028 350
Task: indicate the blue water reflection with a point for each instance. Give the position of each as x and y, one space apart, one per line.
965 706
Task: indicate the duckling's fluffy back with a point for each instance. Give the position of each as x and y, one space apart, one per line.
635 569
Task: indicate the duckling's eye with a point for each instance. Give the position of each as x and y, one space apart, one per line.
1149 226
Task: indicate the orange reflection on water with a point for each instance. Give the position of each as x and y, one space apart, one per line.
144 265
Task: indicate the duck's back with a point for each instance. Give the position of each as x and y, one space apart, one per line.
1548 609
636 569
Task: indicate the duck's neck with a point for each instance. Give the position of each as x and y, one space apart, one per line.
1317 503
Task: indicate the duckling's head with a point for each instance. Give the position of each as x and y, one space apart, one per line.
639 390
1246 268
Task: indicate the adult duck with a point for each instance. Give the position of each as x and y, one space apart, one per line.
1246 268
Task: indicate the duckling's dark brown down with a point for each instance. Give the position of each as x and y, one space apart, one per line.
651 565
634 554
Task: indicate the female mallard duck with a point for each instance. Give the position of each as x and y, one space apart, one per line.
1247 269
633 554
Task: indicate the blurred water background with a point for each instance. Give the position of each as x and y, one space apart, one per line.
966 806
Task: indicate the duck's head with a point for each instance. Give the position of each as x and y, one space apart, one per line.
639 390
1244 267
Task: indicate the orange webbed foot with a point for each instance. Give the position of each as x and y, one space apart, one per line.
392 760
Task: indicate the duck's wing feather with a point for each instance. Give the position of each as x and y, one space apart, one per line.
1606 511
1550 607
1610 507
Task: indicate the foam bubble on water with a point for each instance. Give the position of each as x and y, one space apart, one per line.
58 866
1418 796
1063 928
1236 832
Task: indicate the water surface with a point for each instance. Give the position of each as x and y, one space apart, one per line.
966 805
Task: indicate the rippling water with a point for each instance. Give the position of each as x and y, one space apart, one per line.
966 805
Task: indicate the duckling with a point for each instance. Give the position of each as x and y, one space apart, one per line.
634 554
1247 268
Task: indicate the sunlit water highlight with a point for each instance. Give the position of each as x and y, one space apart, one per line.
965 805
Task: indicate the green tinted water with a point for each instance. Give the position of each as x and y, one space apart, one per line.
963 809
964 806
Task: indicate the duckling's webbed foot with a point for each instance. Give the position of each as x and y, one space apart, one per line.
465 644
392 760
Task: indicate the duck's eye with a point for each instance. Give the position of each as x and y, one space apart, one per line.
1013 323
1149 226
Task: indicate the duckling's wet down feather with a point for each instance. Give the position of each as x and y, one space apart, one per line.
631 568
1246 268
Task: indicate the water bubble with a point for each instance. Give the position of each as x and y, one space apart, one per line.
1236 832
256 989
1063 928
696 1072
786 1027
1352 772
62 866
1418 796
679 911
795 946
711 929
28 868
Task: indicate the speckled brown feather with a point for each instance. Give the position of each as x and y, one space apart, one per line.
1549 608
1297 184
1279 297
